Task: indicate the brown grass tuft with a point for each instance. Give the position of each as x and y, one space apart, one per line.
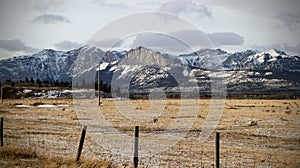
17 153
13 156
37 103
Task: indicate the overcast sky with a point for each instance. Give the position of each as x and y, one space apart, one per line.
28 26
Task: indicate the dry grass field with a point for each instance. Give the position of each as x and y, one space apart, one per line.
254 133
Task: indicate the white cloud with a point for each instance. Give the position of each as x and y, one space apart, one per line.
109 3
43 5
15 45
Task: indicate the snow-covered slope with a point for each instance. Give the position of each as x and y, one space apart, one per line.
218 59
205 58
46 65
271 60
50 65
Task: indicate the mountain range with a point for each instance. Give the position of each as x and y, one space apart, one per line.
141 69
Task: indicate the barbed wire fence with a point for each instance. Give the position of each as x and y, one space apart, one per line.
61 141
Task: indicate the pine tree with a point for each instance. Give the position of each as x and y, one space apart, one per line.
31 81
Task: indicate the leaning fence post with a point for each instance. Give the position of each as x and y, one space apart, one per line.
217 152
1 131
136 146
81 143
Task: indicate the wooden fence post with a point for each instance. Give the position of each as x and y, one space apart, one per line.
136 147
81 143
1 131
217 152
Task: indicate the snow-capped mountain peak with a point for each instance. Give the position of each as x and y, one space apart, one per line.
275 52
158 69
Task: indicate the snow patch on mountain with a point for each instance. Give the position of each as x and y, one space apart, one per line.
103 66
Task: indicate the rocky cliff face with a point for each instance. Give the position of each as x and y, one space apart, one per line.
144 57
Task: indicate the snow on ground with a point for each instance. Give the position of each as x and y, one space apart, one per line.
42 105
46 105
63 105
74 91
27 91
22 106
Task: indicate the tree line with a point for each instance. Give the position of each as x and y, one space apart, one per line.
38 83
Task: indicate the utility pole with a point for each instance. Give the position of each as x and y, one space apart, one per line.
1 93
99 101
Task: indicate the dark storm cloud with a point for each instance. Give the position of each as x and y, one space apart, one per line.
51 19
192 37
185 6
290 20
67 45
184 41
15 45
226 38
160 42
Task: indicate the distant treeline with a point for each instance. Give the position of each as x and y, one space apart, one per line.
229 95
31 83
41 84
36 83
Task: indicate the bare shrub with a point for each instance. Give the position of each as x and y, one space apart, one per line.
253 123
17 153
288 111
37 103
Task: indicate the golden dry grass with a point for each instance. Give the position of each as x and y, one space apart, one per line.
14 156
272 142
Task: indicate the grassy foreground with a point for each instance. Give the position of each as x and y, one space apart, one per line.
254 133
13 156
